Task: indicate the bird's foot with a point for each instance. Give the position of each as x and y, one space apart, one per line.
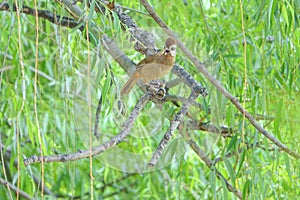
157 88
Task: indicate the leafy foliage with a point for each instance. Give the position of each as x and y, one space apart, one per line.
47 107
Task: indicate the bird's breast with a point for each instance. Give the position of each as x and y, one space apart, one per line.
154 71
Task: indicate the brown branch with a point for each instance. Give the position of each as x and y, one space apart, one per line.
201 67
45 14
126 127
15 189
107 43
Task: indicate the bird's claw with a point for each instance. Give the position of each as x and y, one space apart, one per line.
157 88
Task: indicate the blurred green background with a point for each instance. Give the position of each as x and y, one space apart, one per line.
48 103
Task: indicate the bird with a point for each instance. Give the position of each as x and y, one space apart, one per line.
153 67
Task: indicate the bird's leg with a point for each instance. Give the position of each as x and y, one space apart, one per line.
157 88
154 83
162 84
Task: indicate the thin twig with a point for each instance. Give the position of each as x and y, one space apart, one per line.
37 181
134 10
201 67
15 189
222 130
43 74
202 155
45 14
176 98
248 146
126 127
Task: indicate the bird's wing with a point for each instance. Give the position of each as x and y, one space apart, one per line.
149 59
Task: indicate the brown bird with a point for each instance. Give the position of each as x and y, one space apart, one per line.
153 67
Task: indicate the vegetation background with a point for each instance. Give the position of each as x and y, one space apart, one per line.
42 102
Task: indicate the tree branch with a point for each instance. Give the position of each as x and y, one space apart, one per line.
201 67
202 155
15 189
174 124
45 14
126 127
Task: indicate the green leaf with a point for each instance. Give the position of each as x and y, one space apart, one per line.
106 86
241 160
246 188
232 143
225 190
230 170
288 166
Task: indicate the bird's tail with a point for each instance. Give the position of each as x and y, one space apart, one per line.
128 85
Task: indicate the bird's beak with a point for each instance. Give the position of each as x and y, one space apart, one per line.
167 51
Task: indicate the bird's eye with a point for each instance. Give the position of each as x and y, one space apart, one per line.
173 48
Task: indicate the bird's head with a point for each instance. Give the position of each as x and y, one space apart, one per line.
170 47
